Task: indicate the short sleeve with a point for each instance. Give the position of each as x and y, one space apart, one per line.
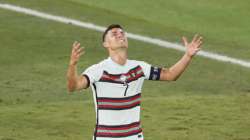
150 72
92 73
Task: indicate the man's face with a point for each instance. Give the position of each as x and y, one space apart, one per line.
116 39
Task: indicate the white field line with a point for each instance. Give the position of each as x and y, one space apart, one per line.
146 39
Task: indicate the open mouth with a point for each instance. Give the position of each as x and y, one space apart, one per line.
121 39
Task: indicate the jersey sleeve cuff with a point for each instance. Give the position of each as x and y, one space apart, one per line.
88 81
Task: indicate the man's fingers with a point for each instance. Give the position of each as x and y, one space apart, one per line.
199 44
77 51
198 39
74 43
76 47
80 50
80 54
195 38
185 41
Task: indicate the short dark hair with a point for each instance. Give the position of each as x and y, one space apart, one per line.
110 27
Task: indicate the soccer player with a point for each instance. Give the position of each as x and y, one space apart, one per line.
116 83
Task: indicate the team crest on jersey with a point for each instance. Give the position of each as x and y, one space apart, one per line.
123 78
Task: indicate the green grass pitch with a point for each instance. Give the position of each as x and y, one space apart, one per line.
211 101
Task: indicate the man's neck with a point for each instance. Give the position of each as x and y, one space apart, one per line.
119 56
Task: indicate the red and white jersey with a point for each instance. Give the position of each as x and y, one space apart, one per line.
117 96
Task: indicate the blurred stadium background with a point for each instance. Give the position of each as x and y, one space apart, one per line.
211 101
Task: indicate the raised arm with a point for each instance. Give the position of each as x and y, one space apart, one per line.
174 72
75 81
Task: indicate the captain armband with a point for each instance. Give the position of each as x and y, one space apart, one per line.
155 73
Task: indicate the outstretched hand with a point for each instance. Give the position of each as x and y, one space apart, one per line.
194 46
76 52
